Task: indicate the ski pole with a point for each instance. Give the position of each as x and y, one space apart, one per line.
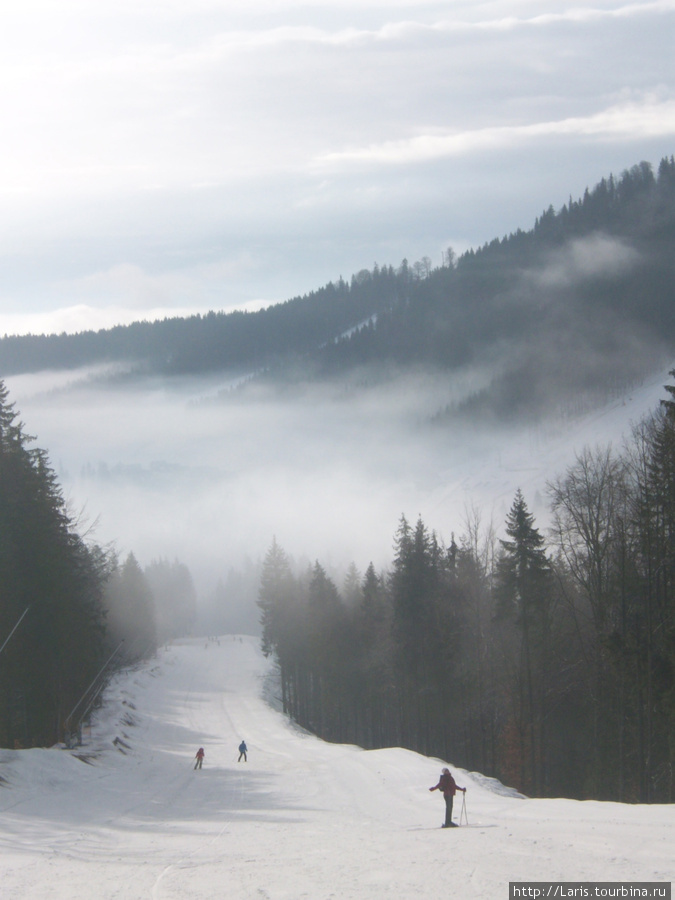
463 810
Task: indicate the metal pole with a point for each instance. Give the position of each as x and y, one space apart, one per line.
463 810
14 629
89 705
101 671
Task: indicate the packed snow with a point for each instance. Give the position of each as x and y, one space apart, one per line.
126 816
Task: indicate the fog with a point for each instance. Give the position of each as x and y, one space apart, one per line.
594 256
193 470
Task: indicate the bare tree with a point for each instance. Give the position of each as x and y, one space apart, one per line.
586 503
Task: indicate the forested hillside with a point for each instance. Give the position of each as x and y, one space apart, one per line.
213 342
51 593
579 306
584 303
548 663
70 610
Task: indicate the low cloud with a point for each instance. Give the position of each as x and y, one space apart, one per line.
129 286
164 471
595 256
653 117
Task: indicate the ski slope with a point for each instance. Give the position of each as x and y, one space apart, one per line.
301 819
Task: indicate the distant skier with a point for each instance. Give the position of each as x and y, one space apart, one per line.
199 757
242 751
449 786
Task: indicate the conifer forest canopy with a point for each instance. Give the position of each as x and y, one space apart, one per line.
547 639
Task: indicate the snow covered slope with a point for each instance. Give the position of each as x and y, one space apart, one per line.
301 819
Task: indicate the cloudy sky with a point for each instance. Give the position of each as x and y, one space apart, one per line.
164 156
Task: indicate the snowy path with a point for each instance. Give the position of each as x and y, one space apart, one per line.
301 819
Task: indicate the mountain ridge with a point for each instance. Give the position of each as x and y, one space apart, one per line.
580 304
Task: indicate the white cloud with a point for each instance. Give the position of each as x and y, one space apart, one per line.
626 122
146 141
577 14
127 293
595 256
129 285
81 317
467 20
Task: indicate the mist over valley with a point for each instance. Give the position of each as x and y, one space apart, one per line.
167 471
423 488
432 392
337 428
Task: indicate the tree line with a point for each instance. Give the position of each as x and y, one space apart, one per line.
546 661
583 303
583 300
213 342
71 611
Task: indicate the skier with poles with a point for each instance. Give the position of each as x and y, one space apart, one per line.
199 756
449 787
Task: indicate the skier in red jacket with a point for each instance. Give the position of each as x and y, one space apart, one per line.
449 786
199 756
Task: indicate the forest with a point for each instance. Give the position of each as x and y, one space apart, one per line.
547 661
544 659
71 611
581 304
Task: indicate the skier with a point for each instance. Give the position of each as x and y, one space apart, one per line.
242 751
449 786
199 756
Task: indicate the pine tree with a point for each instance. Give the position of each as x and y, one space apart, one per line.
282 629
131 611
174 596
275 594
329 657
654 618
523 570
376 677
669 405
522 591
45 566
417 591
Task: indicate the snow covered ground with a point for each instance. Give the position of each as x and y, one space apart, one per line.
301 819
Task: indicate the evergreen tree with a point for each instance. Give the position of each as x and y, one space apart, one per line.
282 628
277 590
376 676
131 611
523 570
45 567
351 589
420 633
523 595
329 658
669 404
174 596
653 618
